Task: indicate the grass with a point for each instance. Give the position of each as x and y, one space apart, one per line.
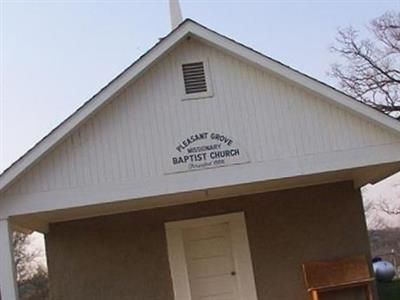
389 290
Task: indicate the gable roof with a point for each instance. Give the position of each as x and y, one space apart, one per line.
186 28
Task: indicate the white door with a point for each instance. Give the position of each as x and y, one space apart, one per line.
210 258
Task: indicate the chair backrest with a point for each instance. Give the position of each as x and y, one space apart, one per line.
338 272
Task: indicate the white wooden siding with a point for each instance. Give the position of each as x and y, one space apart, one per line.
131 138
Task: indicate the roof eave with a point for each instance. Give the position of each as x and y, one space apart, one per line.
92 105
150 57
331 94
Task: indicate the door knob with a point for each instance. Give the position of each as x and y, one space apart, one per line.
233 273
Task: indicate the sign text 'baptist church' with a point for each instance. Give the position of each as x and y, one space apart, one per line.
207 150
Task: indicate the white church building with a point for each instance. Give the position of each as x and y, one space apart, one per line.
205 171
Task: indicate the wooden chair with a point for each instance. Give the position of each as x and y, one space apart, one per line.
324 276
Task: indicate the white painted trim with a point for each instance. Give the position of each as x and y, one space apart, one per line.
178 266
211 178
242 255
268 64
210 90
186 28
240 248
105 95
8 280
204 221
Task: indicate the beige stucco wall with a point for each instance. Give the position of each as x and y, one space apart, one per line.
124 256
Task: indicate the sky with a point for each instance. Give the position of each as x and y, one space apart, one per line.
57 54
54 55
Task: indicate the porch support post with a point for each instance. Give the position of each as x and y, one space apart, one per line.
8 279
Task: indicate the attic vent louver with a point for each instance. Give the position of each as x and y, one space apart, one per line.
194 78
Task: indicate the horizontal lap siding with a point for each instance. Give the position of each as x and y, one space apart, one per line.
130 138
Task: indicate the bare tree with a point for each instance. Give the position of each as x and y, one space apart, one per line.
370 71
31 276
382 209
24 256
391 206
373 218
36 287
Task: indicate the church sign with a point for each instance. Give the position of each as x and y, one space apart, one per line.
205 150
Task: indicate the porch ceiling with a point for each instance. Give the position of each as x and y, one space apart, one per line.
360 176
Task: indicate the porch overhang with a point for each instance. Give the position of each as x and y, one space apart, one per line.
40 220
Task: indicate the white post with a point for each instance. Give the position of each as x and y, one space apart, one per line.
176 14
8 280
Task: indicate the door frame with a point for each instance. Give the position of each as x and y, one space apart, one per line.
240 252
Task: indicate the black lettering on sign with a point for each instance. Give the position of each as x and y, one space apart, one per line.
190 140
204 150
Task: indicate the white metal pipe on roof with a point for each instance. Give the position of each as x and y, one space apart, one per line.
176 13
